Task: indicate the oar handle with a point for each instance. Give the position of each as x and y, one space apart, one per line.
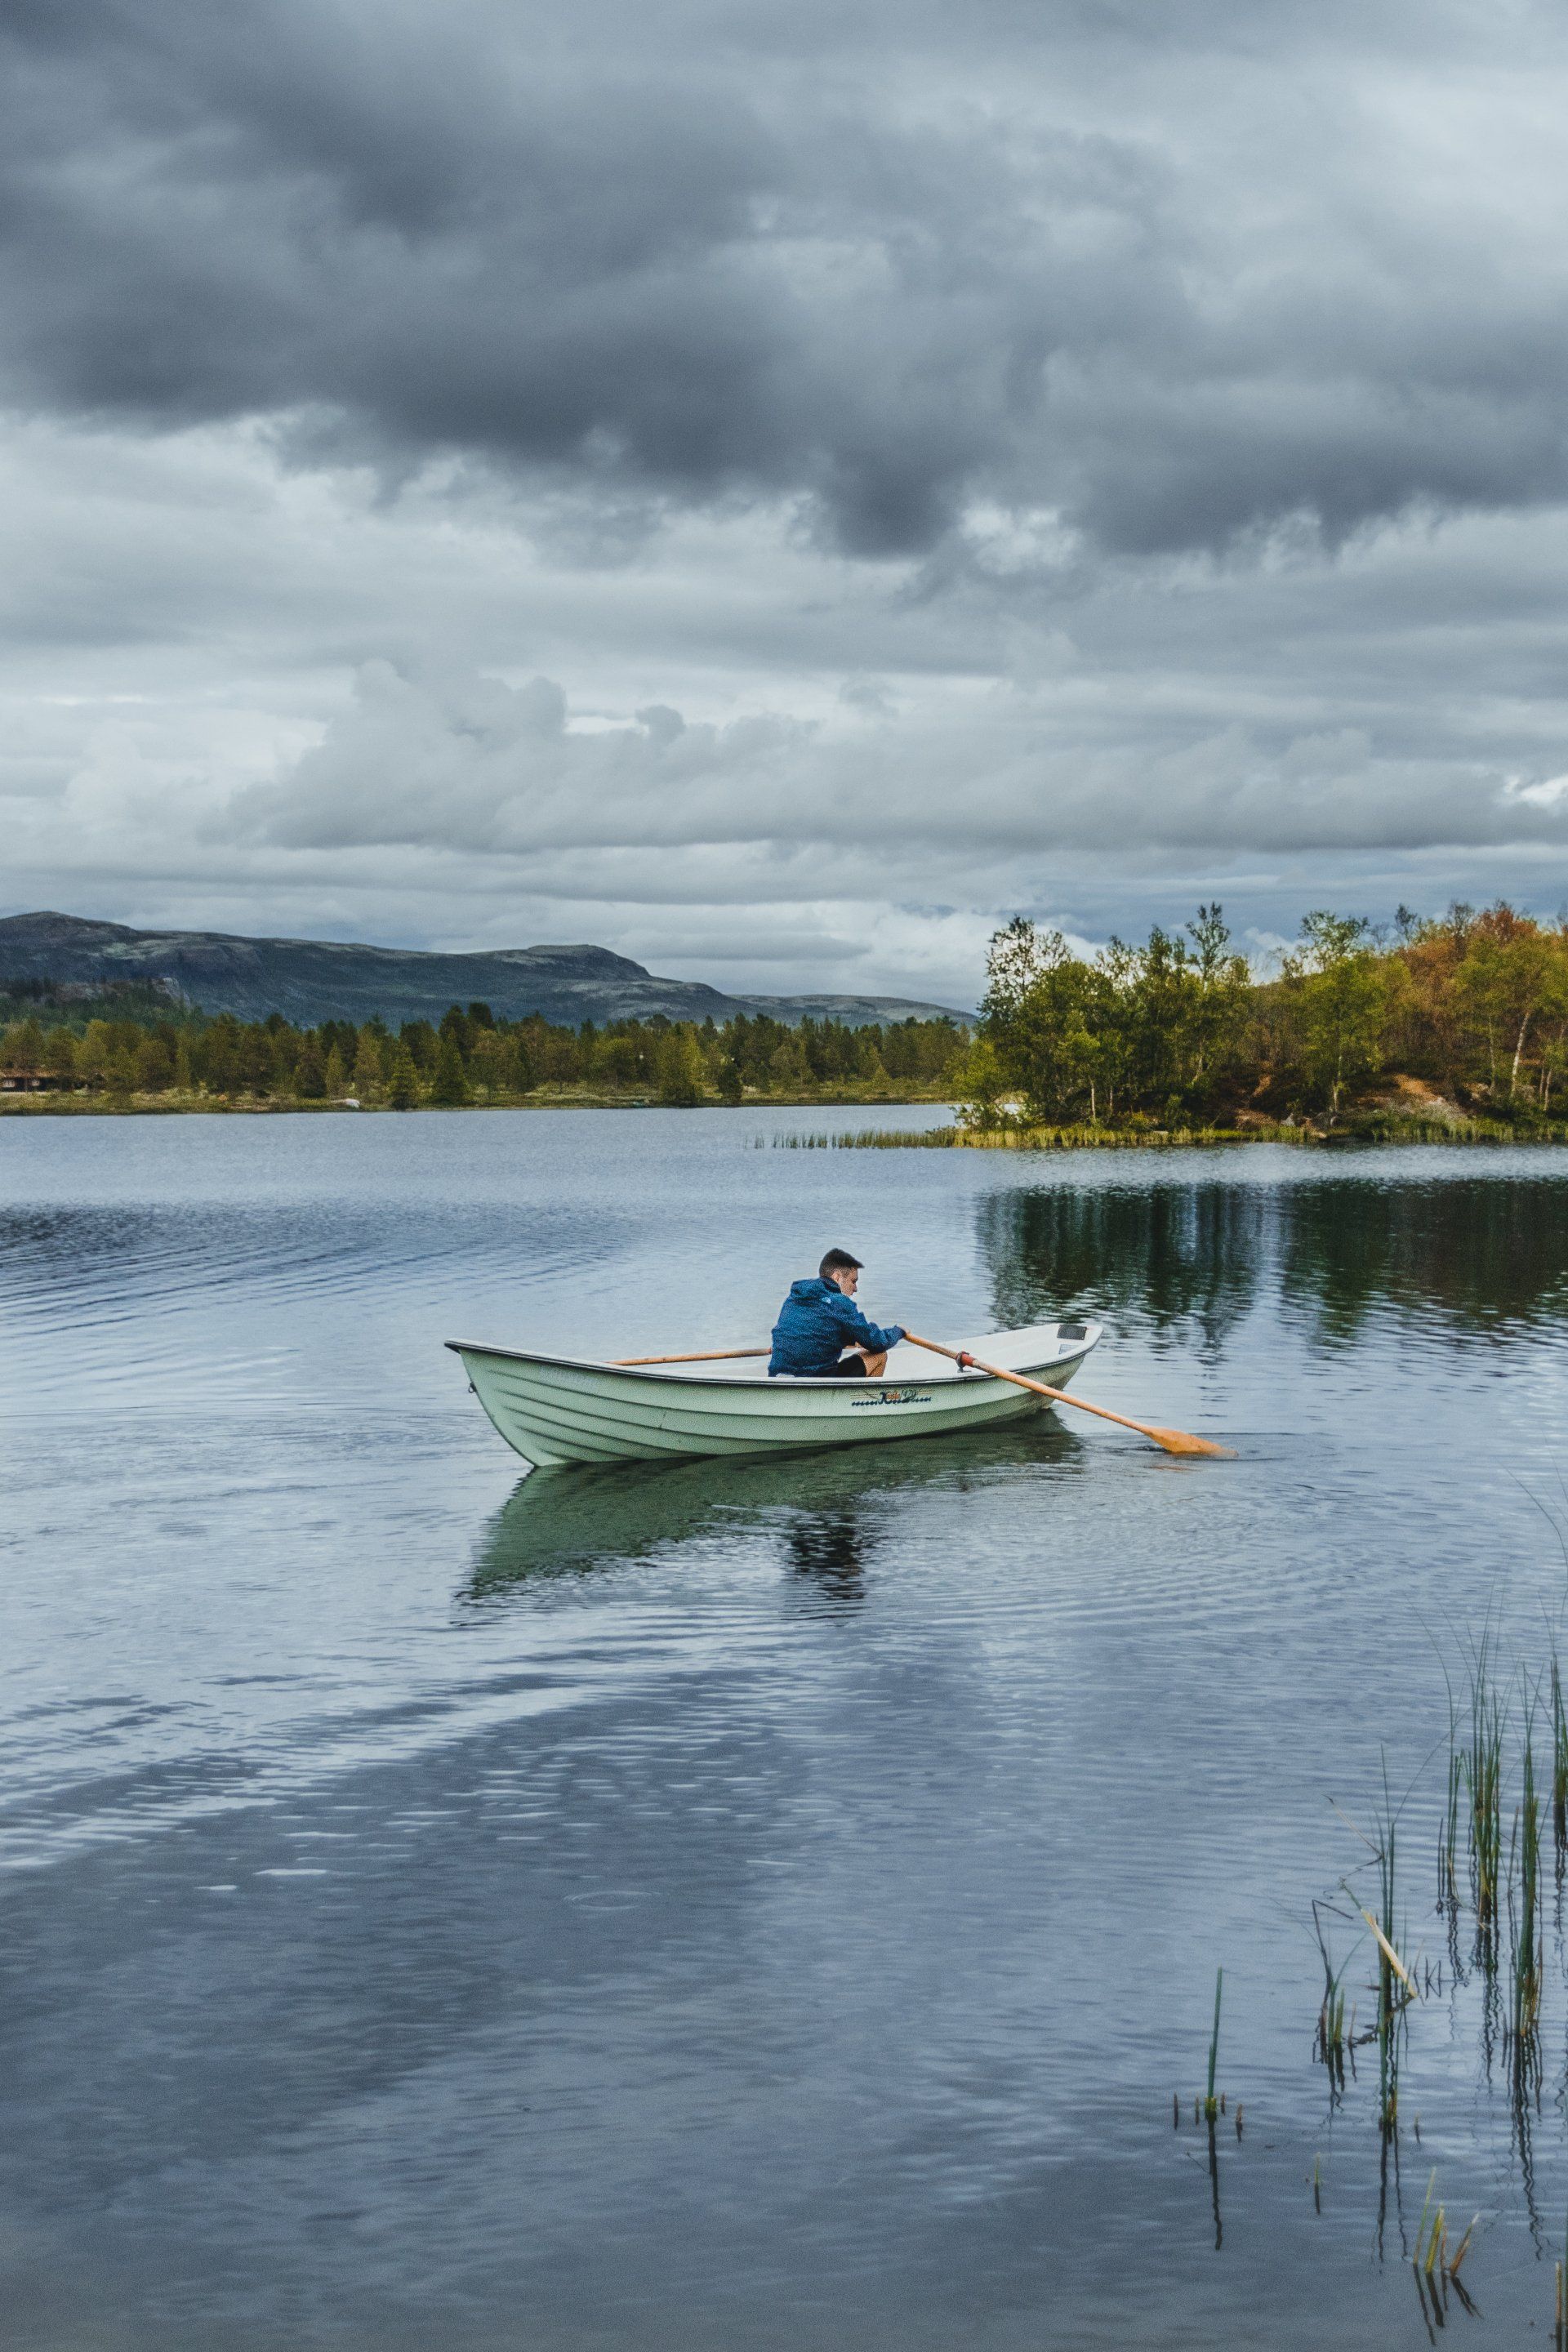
1174 1440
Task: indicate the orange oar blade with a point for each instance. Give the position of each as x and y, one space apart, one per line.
1179 1440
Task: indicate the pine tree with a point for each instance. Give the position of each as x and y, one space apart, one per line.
787 1068
490 1063
421 1042
337 1078
369 1068
402 1080
449 1081
310 1077
184 1077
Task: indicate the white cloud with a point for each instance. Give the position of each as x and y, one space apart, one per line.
467 763
1549 794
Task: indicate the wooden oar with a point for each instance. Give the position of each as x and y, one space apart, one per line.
1174 1440
712 1356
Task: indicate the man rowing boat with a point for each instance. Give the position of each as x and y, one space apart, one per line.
819 1322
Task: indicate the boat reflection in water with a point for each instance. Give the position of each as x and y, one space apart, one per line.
829 1510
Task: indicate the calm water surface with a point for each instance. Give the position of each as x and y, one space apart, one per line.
743 1905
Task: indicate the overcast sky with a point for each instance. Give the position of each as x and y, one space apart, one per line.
775 489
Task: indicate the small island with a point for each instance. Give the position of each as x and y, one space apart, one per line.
1437 1030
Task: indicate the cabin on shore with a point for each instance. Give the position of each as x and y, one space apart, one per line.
32 1082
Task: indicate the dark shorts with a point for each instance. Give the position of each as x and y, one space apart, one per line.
847 1368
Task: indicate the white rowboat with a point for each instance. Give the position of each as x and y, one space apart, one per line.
553 1409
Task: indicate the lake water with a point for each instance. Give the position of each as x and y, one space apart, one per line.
747 1905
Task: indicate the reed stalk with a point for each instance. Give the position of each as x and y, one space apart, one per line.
1525 1917
1482 1767
1453 1813
1437 2261
1393 1983
1558 1762
1211 2105
1332 2031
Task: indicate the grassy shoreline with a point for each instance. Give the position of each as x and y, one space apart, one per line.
1382 1127
1356 1129
176 1106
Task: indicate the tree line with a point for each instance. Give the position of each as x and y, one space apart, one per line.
1470 1006
128 1044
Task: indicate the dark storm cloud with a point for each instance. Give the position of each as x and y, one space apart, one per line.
885 263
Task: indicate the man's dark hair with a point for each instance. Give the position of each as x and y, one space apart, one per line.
837 1262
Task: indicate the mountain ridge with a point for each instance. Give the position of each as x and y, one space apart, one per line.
310 980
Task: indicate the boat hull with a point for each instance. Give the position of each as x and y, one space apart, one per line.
554 1409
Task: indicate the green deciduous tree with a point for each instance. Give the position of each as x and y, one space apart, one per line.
93 1054
23 1047
681 1074
1044 1016
154 1066
1221 999
980 1086
1341 1001
1510 975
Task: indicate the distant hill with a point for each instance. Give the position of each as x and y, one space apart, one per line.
309 981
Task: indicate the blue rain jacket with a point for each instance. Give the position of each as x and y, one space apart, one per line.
816 1322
